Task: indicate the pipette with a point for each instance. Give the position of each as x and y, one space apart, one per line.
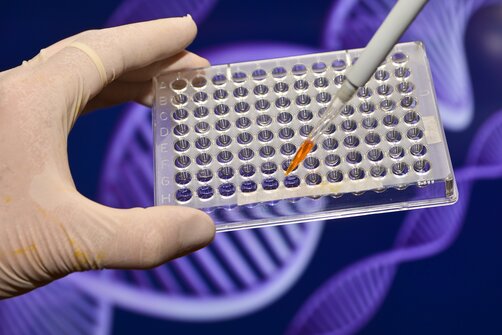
393 27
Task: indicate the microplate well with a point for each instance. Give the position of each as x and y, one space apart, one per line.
224 135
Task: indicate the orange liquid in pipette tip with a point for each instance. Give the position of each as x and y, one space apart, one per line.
303 151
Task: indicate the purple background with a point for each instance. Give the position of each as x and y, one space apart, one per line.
458 291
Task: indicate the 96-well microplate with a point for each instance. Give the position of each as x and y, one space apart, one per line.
224 135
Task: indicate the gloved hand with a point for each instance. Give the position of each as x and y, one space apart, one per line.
48 229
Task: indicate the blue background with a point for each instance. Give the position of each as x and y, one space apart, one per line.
458 291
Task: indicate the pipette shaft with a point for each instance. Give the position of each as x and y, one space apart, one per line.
393 27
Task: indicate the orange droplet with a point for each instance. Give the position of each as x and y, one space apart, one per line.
305 148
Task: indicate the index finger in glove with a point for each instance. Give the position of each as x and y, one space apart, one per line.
97 57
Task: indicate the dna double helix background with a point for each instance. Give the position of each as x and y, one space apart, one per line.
295 279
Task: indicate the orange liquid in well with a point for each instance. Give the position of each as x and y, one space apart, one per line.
303 151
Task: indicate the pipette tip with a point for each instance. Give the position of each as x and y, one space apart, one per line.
303 151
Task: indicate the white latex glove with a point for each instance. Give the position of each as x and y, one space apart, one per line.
48 229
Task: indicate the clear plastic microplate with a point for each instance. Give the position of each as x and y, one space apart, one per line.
224 135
